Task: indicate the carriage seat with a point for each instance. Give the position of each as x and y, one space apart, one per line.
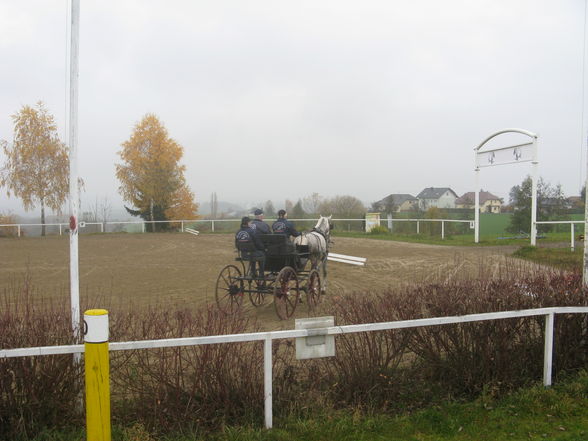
277 244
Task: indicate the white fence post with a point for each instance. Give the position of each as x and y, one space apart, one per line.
572 241
442 229
182 226
60 229
102 227
212 225
267 381
143 227
418 227
18 228
548 353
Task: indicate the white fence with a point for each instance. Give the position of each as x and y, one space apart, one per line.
142 225
268 337
572 231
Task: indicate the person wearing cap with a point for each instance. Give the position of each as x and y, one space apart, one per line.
284 226
250 247
258 224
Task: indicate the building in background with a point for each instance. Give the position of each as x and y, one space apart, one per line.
489 203
397 202
440 197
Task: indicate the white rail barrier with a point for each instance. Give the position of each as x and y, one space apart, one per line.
571 223
182 222
351 260
268 338
418 223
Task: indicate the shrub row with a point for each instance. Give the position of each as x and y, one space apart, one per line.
206 387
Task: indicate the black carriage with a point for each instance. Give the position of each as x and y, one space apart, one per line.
286 276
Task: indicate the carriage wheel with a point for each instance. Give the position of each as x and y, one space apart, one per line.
229 290
256 297
286 293
313 290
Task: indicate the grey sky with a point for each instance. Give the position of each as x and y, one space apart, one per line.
276 100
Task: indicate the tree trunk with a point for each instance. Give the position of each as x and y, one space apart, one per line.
152 223
42 218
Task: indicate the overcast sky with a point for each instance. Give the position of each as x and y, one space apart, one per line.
274 100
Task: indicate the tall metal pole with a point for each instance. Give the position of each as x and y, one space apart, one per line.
585 272
534 195
74 282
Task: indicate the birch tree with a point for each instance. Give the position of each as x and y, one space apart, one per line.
37 165
151 177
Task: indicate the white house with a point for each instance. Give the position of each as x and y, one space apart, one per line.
440 197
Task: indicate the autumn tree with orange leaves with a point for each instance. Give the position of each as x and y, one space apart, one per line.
151 177
37 166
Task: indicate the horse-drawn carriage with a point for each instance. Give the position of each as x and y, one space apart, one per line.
290 268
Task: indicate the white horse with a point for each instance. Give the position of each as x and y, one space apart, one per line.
318 246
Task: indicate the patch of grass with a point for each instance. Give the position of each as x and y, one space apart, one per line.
562 258
558 413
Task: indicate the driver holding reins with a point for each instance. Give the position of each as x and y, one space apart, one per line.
284 226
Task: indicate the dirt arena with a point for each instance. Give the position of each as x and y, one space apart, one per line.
181 269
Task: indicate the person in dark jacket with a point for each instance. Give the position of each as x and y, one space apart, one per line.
258 224
250 247
284 226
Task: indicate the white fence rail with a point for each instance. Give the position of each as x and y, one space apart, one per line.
268 337
214 223
572 231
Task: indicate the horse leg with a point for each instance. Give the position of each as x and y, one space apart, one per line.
324 265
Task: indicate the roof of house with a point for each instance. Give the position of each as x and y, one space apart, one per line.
398 199
470 197
434 192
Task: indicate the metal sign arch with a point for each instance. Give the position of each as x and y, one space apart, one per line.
526 152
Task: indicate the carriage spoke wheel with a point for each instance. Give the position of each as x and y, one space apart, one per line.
229 290
286 293
313 290
257 297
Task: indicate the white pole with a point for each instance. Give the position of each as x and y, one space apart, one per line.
18 228
213 226
534 196
572 241
418 227
477 208
60 233
585 272
73 169
442 229
548 352
267 381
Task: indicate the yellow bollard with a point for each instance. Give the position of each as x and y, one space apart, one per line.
97 373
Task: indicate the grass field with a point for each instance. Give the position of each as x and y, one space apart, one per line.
558 414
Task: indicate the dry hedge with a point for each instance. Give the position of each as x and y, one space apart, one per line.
205 387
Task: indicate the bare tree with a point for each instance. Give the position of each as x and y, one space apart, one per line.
312 203
343 206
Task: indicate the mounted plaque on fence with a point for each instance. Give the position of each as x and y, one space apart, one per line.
318 344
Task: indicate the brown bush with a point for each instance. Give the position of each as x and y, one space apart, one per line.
8 231
36 392
187 386
205 387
